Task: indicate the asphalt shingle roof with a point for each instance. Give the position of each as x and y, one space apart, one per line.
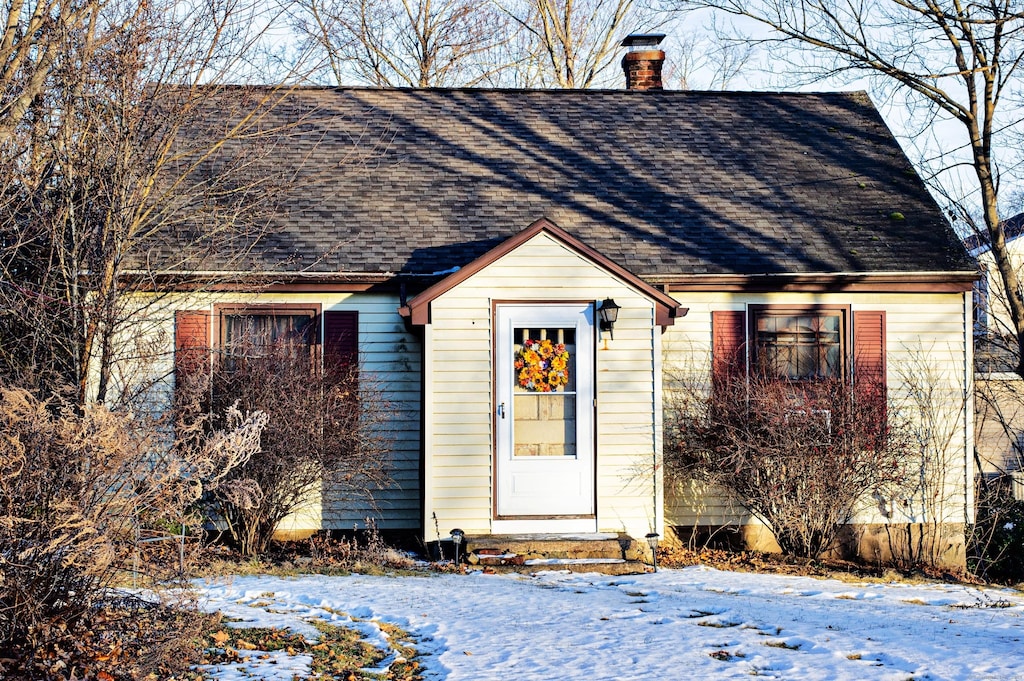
663 183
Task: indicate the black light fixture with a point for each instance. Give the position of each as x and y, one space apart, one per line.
607 314
652 541
457 537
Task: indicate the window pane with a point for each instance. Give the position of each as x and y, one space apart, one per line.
253 335
544 406
799 347
544 360
269 329
545 424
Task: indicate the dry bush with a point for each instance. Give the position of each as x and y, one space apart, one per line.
799 456
78 488
325 434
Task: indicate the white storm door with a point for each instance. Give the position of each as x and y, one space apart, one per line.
544 413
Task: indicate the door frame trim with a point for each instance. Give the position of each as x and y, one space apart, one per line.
495 302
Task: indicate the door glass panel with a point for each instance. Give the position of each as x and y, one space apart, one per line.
544 404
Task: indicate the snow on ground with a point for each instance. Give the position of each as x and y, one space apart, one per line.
694 623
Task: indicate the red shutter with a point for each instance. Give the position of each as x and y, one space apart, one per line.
728 344
869 354
341 338
191 342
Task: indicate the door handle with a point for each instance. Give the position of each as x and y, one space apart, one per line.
501 410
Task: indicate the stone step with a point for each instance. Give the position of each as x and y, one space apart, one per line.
607 567
591 552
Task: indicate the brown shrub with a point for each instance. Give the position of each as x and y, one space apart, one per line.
79 489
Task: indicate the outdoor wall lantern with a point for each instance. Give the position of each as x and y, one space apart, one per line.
457 537
607 314
652 541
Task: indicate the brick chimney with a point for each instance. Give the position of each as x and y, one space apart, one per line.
642 64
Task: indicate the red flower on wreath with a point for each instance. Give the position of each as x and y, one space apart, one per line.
542 366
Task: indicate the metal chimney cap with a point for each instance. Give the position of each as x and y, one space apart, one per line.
642 41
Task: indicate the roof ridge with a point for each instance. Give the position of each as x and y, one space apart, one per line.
541 91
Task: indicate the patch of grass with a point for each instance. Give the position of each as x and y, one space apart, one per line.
725 655
718 625
914 601
853 656
339 653
702 613
782 644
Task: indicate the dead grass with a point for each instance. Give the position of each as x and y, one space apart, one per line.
365 553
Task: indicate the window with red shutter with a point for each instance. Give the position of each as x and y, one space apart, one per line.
800 343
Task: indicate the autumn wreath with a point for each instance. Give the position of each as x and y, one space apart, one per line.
542 366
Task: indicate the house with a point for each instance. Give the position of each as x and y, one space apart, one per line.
1000 407
475 226
991 316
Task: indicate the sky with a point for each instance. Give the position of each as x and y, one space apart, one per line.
692 623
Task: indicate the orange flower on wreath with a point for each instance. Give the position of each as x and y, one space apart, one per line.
542 366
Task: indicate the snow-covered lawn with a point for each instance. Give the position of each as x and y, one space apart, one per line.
694 623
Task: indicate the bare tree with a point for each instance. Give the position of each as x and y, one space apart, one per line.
572 43
412 43
96 170
701 60
960 60
35 35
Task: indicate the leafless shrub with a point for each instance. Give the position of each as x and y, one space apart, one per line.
799 456
325 434
77 490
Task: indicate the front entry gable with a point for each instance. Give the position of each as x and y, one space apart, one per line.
501 456
417 311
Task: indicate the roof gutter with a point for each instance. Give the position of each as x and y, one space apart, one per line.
822 282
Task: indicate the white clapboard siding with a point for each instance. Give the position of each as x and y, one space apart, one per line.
389 355
923 331
459 415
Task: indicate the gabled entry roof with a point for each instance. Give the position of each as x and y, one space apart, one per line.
417 311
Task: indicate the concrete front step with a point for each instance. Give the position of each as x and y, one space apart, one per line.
593 552
610 567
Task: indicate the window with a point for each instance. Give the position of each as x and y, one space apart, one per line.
799 344
247 332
